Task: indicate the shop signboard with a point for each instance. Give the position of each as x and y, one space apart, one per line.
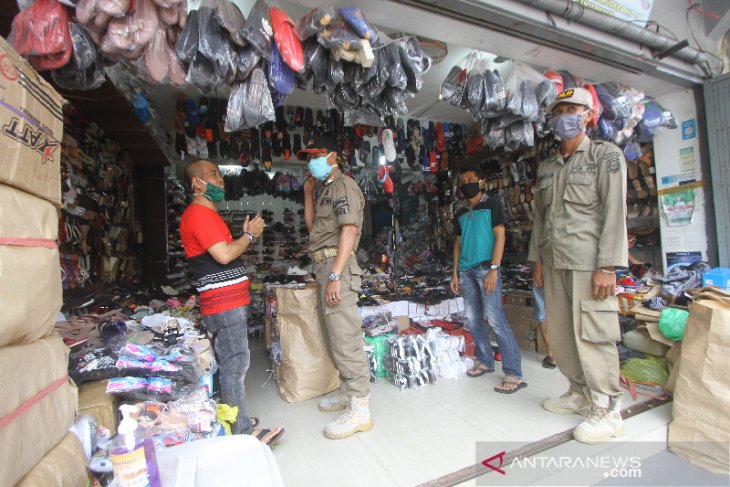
630 10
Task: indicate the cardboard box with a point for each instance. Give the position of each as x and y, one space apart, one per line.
719 277
64 465
94 400
524 330
403 322
30 276
38 405
32 127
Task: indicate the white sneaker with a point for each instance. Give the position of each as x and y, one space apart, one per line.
569 403
601 426
355 419
336 401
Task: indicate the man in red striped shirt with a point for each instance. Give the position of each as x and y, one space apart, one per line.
222 282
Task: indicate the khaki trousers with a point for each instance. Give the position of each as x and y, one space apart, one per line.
582 334
342 326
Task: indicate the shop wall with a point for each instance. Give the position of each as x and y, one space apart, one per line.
680 162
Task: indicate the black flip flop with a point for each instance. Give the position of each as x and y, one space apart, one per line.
547 364
481 372
500 388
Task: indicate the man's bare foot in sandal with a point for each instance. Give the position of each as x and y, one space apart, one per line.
510 385
479 369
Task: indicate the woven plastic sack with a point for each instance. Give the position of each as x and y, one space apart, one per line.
649 369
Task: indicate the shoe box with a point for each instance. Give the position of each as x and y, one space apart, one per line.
32 120
93 399
521 316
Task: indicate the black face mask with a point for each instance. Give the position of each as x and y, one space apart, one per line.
469 190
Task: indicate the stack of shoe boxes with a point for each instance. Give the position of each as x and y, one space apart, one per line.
38 403
521 316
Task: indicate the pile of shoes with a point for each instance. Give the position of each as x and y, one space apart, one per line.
412 362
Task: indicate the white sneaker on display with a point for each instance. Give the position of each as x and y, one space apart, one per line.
602 425
335 401
355 419
569 403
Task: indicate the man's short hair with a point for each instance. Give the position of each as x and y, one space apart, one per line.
195 170
475 169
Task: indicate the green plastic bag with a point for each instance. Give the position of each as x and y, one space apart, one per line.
672 323
380 350
649 369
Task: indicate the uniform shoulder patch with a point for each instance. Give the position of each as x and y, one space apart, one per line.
613 162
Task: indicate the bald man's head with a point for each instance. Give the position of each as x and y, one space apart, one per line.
197 169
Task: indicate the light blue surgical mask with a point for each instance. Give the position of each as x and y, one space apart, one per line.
320 168
567 125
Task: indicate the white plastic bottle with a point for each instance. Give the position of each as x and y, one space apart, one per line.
133 454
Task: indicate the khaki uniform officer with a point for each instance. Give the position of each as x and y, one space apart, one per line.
334 221
579 236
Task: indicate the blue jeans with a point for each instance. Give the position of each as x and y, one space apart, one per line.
230 342
538 302
481 306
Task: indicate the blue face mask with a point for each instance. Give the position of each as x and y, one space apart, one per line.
320 168
567 125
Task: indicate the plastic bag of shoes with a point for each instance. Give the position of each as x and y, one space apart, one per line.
118 37
413 75
495 95
84 51
187 42
475 93
257 30
202 74
145 22
232 20
281 77
339 35
115 8
314 22
397 78
530 108
86 10
42 29
259 106
285 37
212 43
545 93
356 19
169 15
246 61
156 59
452 88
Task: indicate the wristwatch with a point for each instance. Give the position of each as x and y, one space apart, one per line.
250 236
334 277
494 267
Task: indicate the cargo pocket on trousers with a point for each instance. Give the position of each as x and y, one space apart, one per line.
356 274
599 321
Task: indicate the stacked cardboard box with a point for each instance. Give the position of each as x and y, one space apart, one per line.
39 402
521 316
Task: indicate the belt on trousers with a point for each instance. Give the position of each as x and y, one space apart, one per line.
322 254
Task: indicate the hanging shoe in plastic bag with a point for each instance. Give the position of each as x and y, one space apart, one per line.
202 74
86 10
75 77
545 93
212 42
596 106
176 71
247 60
413 73
285 37
156 59
363 115
234 113
607 101
85 52
186 46
605 129
339 35
474 93
42 29
115 8
259 107
495 97
257 30
145 22
344 96
169 15
530 108
556 79
453 87
281 76
356 19
232 20
314 22
119 37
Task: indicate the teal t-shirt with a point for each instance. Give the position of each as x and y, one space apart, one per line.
475 227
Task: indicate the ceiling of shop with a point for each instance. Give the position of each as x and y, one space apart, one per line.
114 114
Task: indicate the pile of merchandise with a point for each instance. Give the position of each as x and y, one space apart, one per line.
365 75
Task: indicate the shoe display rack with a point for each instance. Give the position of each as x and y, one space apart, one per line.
642 219
96 234
176 204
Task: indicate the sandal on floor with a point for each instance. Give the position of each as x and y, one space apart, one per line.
503 387
267 436
253 421
547 363
479 370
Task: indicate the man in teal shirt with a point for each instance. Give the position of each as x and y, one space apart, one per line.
478 250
